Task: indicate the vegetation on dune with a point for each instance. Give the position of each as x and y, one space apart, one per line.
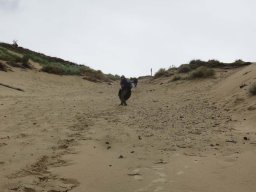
161 73
201 72
8 56
252 89
50 64
217 64
13 59
60 69
113 77
184 68
193 65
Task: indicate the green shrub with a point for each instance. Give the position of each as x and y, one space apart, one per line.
196 63
60 69
49 64
113 77
25 61
201 72
240 62
172 68
161 73
213 63
252 89
184 68
7 56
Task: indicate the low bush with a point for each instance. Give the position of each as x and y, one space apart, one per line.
184 68
113 77
161 73
25 62
240 62
213 63
201 72
193 64
7 56
60 69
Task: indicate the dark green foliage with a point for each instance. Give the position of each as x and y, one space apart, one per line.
60 69
216 64
161 73
201 72
252 89
184 68
172 68
196 63
25 61
7 56
210 63
240 62
213 63
49 64
113 77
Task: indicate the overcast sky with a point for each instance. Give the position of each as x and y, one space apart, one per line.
131 36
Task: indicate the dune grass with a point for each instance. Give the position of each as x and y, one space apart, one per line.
161 73
61 69
7 56
49 64
184 68
201 72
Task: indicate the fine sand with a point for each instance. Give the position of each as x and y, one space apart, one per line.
63 133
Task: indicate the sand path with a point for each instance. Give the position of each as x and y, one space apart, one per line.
66 134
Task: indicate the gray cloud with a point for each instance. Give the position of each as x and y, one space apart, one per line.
7 5
130 37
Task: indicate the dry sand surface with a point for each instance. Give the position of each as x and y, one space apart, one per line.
67 134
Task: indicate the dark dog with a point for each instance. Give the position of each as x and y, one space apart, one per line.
124 95
134 81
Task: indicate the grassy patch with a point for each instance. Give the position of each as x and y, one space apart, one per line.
201 72
113 77
60 69
161 73
49 64
95 76
252 89
7 56
184 68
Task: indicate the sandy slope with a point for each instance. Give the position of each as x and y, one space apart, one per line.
67 134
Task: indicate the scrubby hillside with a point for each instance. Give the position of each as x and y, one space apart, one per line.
15 56
198 69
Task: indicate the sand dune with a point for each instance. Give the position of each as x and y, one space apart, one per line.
64 133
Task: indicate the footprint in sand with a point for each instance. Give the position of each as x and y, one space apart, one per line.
136 174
